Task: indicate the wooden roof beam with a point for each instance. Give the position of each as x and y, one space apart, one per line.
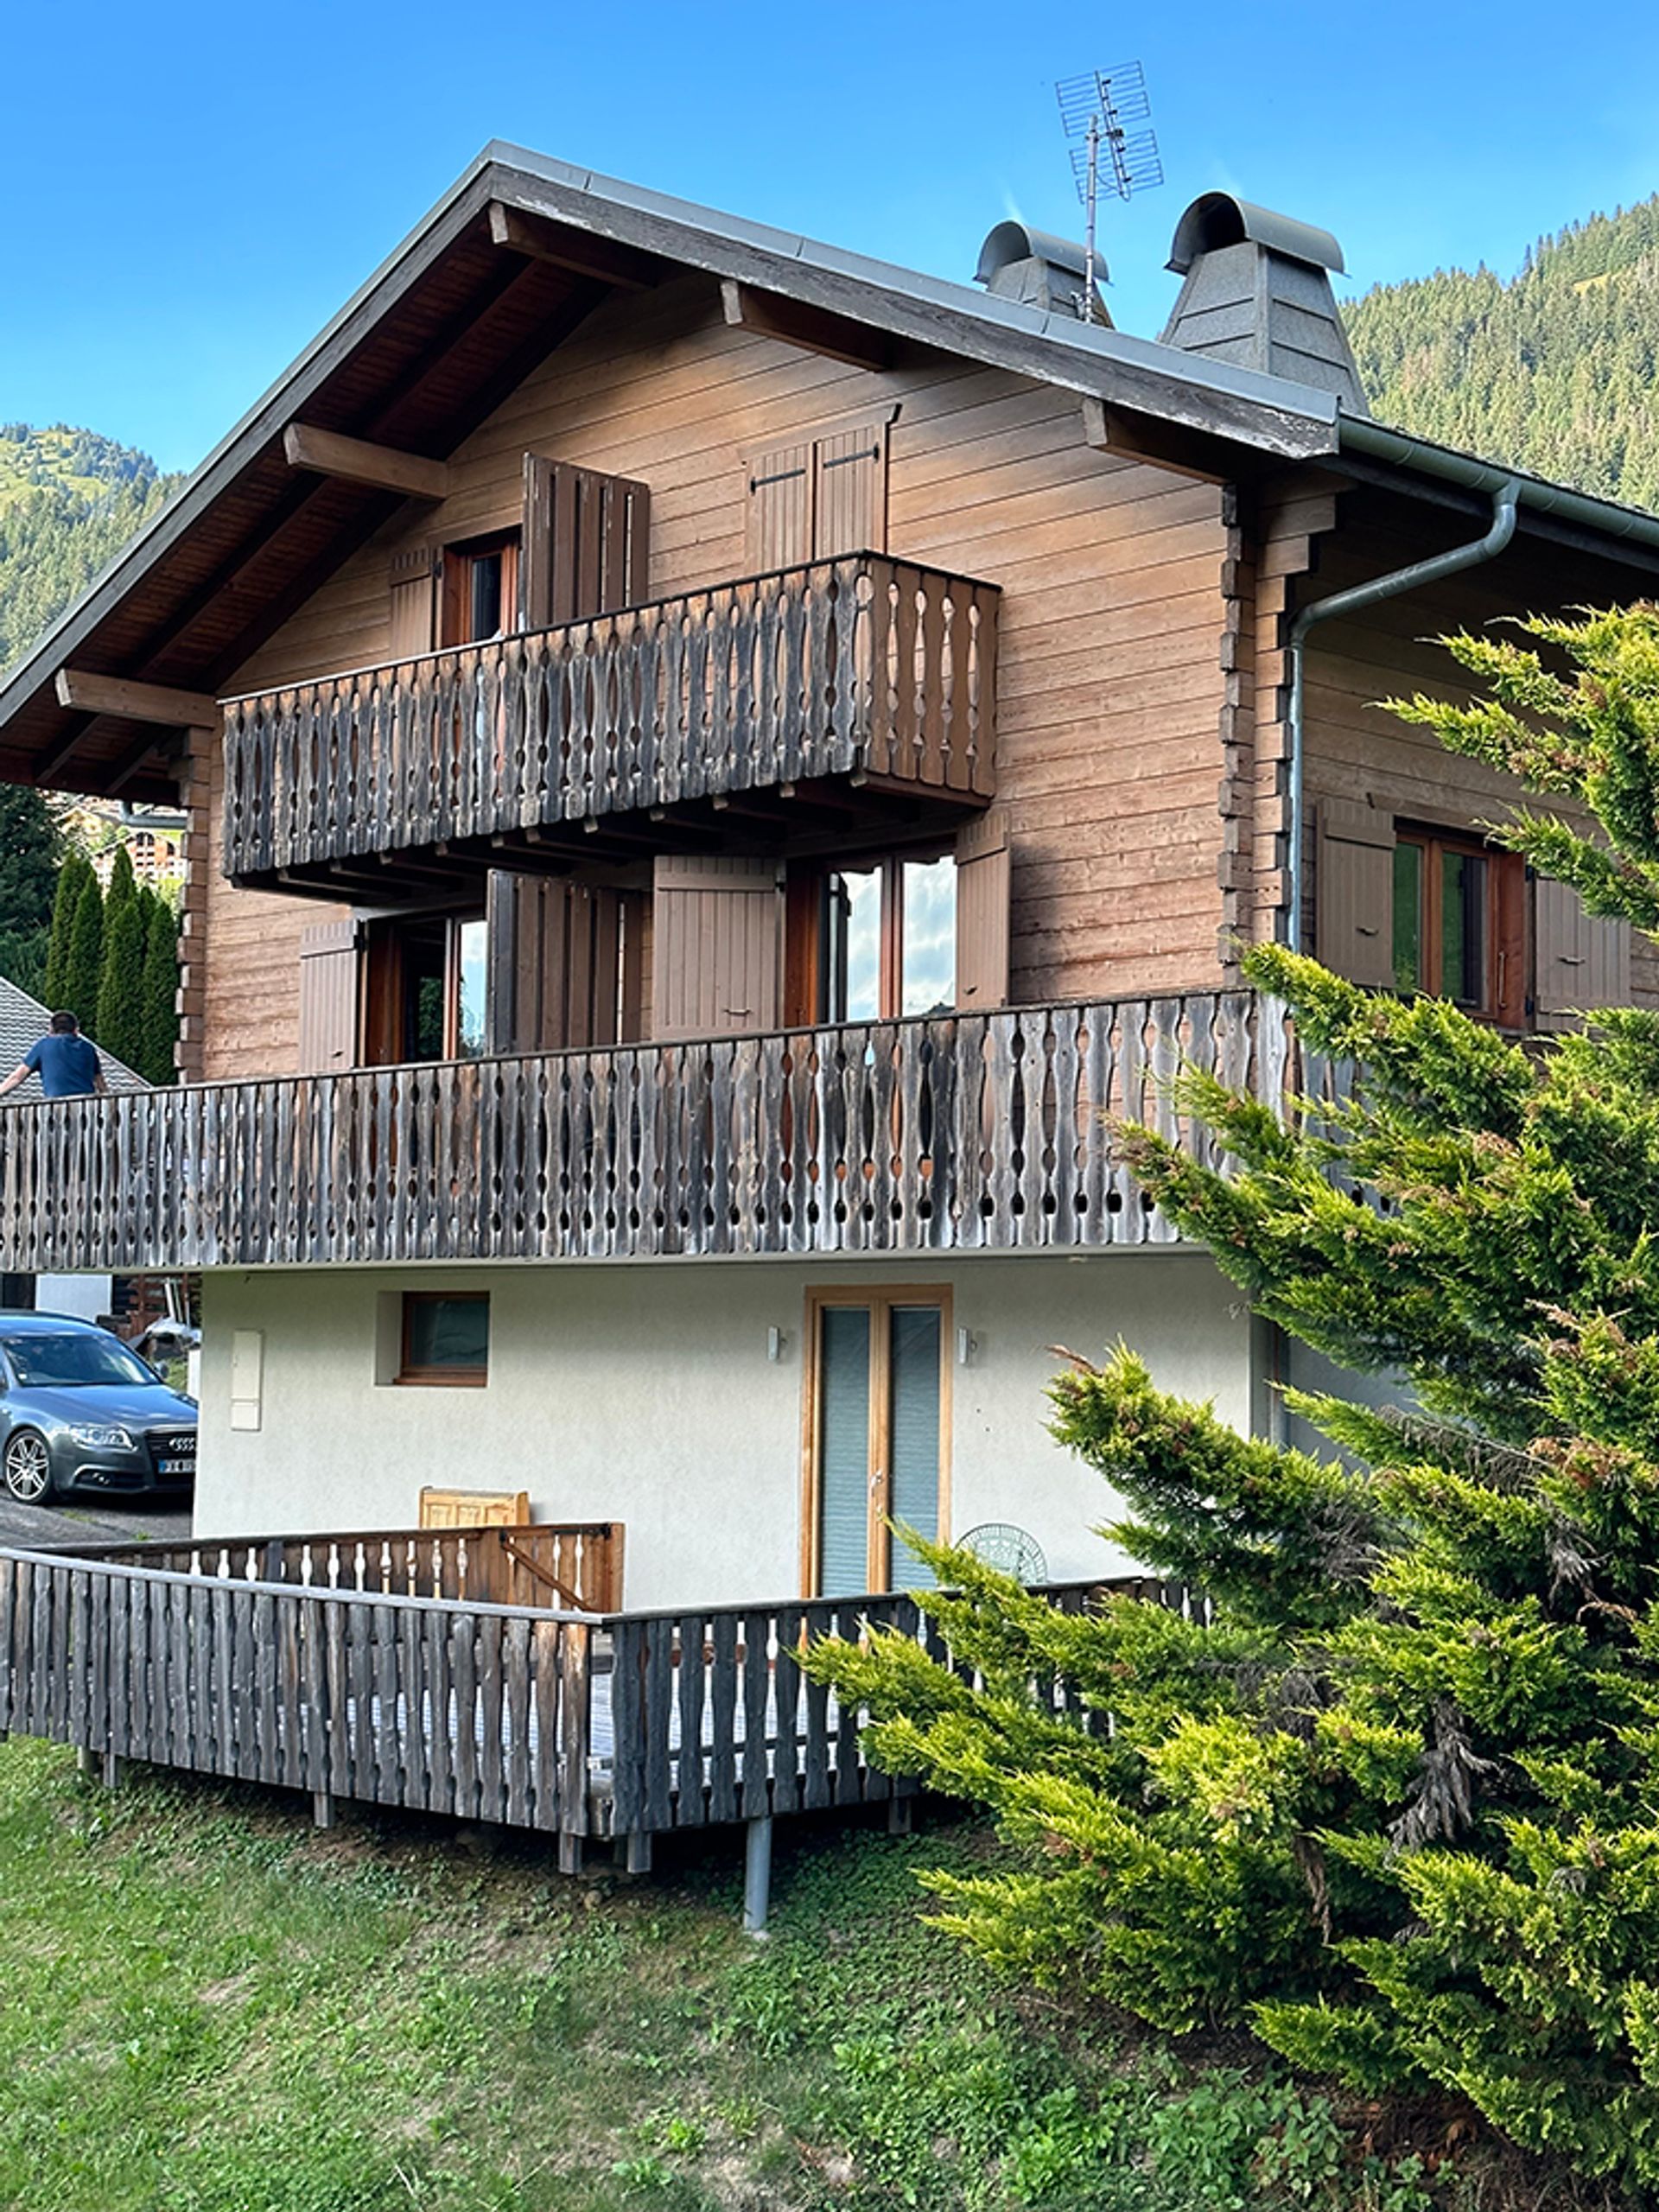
579 251
1130 436
136 702
356 460
797 324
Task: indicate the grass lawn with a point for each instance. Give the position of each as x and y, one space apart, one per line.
208 2006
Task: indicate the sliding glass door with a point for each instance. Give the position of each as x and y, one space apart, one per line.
877 1435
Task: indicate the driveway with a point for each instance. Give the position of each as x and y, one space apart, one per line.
22 1526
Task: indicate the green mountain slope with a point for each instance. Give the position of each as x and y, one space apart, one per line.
1556 369
69 500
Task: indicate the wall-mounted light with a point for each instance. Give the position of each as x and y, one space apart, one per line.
967 1345
775 1341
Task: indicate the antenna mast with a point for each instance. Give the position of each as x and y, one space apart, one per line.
1095 113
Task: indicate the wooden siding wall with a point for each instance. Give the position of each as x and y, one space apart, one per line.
1356 752
1111 685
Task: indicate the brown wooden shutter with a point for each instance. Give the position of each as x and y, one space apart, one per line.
587 542
1353 893
781 508
982 883
328 964
564 963
851 502
714 964
1580 961
414 600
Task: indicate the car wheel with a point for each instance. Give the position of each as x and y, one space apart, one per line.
28 1468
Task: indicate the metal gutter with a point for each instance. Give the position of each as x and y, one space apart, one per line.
1607 518
1505 507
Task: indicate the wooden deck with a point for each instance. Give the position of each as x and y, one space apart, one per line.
951 1133
583 1726
863 667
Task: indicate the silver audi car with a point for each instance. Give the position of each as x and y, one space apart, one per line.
80 1411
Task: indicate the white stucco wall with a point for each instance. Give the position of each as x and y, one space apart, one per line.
645 1393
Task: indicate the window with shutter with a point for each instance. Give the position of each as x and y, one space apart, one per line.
817 497
903 933
1580 961
587 542
328 1013
715 927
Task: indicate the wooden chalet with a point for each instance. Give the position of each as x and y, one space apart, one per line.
698 748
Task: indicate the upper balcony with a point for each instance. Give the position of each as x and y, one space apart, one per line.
828 694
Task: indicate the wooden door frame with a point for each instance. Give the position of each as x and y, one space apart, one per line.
880 1299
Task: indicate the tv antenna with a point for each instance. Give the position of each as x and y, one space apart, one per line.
1097 111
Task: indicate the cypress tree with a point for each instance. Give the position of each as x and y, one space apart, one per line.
1393 1800
161 985
124 886
120 1024
84 970
72 878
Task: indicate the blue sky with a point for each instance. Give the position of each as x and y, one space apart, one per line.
190 191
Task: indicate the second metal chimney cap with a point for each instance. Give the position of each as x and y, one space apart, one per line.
1216 219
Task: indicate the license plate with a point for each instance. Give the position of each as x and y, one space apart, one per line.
178 1467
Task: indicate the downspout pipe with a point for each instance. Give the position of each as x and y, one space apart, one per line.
1506 497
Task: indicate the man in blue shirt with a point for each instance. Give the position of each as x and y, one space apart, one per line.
67 1065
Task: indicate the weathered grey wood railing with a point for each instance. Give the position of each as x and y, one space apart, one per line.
577 1564
579 1725
863 664
958 1132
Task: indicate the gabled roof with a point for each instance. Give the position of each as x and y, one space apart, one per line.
23 1022
509 262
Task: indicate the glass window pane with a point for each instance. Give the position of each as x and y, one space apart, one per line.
448 1333
861 914
914 1476
930 976
470 1014
485 612
1462 887
843 1451
1408 916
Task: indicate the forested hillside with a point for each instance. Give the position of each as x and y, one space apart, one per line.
1556 368
69 500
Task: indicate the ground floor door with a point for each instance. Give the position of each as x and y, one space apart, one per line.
877 1434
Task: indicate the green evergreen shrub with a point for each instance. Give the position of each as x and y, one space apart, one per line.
71 877
120 1024
160 992
1395 1804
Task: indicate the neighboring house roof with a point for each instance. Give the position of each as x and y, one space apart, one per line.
23 1022
452 322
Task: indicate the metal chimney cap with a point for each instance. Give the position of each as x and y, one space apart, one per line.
1216 220
1011 242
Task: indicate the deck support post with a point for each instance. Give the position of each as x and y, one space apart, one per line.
569 1853
757 1875
111 1770
901 1815
322 1808
86 1759
633 1852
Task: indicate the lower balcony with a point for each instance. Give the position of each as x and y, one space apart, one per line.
953 1133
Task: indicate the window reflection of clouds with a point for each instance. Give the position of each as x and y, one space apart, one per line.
863 945
470 1019
930 980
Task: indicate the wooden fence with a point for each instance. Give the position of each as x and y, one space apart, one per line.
578 1565
578 1725
859 665
949 1133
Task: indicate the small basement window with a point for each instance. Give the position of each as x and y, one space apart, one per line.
446 1338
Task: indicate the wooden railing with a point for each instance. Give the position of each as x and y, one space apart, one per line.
574 1724
560 1564
953 1133
863 664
